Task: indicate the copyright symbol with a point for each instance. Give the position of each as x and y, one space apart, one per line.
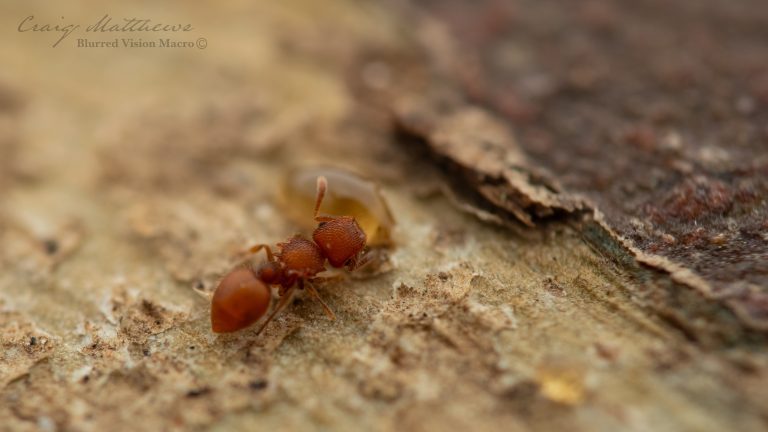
201 43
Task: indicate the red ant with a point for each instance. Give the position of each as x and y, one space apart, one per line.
243 295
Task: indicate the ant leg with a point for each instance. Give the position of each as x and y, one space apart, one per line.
256 248
311 290
280 306
253 250
332 278
206 295
361 262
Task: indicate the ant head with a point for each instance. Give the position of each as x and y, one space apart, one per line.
239 301
341 239
301 257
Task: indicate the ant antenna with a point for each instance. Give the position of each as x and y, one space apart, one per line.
322 185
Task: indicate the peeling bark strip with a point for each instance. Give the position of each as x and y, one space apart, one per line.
484 153
670 148
478 147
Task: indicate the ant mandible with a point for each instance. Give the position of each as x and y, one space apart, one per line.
243 295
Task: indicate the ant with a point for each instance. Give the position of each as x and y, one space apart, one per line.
243 296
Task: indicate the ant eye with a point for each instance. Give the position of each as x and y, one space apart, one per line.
322 224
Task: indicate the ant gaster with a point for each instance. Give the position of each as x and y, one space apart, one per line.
243 295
